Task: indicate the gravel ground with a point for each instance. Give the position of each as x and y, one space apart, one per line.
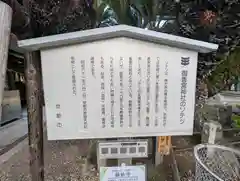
66 161
63 162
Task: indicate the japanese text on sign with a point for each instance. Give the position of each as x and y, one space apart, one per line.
130 103
139 90
112 91
165 101
121 92
73 76
84 93
102 76
157 91
184 74
148 90
112 72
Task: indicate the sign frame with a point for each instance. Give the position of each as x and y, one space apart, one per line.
46 44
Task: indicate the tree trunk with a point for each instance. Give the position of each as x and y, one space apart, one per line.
5 29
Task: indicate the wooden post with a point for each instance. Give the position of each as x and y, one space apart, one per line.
35 121
5 28
158 156
163 145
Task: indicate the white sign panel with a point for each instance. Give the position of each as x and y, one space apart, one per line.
124 173
118 88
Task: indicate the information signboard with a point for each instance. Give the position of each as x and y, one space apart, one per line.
118 87
123 173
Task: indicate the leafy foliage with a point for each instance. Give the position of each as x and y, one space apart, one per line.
55 17
225 74
216 21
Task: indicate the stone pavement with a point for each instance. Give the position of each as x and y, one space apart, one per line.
64 160
12 133
15 132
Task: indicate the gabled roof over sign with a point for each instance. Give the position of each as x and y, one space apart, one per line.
114 32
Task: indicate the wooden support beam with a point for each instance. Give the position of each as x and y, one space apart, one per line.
35 120
163 146
5 28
